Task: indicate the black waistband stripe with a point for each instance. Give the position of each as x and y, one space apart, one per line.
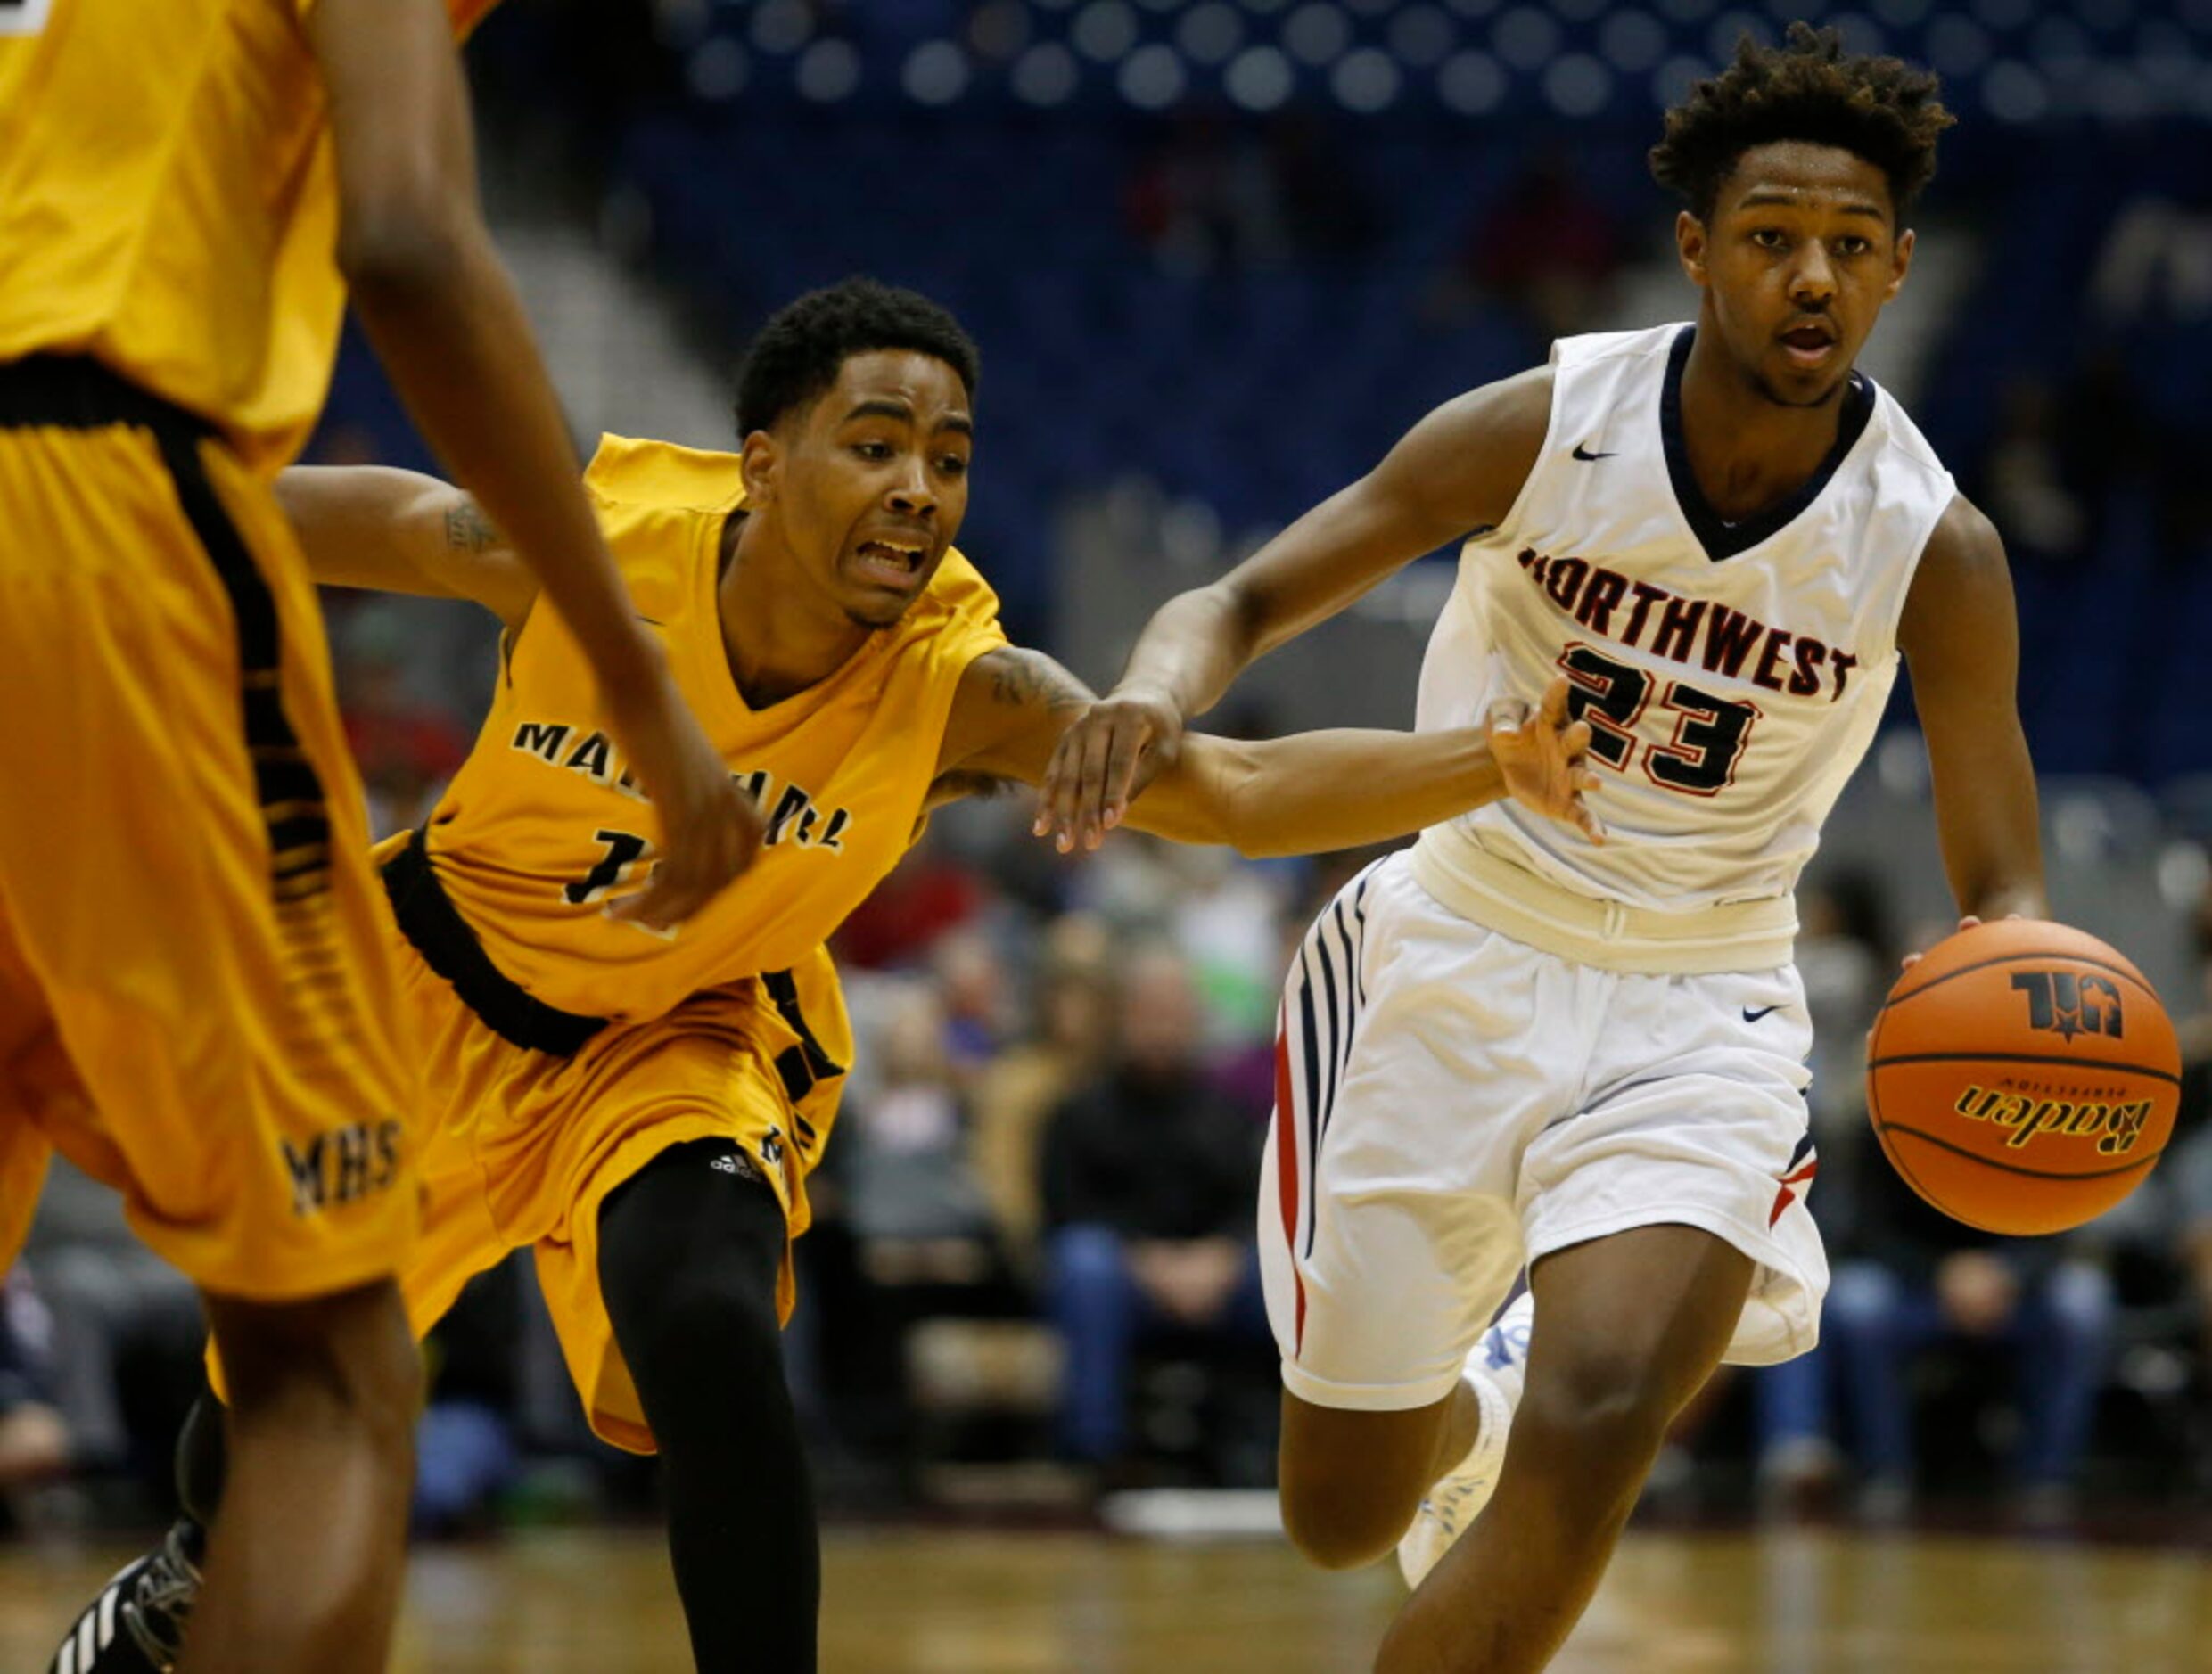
75 392
434 925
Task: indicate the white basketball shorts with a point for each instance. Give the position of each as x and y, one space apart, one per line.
1452 1104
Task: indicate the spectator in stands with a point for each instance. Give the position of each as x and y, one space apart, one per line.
34 1439
1017 1093
1206 199
911 1195
466 1451
1228 920
928 893
907 1232
1549 248
1148 1197
1915 1280
123 1364
969 974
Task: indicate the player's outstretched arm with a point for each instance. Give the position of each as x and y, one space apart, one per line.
450 330
399 531
1309 793
1459 468
1961 644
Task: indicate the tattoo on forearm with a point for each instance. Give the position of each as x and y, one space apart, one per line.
1024 677
468 530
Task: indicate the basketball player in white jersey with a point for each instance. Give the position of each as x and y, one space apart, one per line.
1510 1046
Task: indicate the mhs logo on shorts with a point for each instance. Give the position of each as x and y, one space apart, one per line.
2068 1004
342 1165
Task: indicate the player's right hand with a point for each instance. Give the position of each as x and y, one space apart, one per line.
1966 924
1911 959
1115 749
711 826
1545 759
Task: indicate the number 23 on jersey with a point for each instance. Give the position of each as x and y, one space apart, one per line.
1709 735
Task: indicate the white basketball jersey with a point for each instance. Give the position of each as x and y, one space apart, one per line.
1733 675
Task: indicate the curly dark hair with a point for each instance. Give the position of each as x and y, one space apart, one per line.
1808 88
798 354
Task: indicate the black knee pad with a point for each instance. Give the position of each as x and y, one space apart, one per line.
690 1249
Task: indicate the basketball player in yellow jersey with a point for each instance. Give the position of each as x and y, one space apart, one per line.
196 997
644 1108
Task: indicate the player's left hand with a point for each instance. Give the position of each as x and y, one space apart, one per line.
1545 759
1119 745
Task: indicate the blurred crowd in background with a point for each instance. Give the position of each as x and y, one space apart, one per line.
1230 250
1032 1280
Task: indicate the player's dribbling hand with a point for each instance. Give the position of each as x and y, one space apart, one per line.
711 826
1117 747
1911 959
1968 922
1546 764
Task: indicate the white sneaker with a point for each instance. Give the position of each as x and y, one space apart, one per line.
1496 1368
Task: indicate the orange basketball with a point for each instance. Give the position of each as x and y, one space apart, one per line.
2023 1077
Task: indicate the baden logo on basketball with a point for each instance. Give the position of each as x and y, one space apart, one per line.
2069 1003
2115 1127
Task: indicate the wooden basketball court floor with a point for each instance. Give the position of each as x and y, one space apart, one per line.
932 1602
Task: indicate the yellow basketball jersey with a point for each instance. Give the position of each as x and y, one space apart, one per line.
168 204
543 821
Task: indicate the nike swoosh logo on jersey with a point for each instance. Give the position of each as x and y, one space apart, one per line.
1751 1016
1582 452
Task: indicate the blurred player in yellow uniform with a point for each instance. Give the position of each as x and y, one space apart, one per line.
195 979
644 1108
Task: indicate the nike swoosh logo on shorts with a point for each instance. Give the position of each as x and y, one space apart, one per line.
1751 1016
1582 452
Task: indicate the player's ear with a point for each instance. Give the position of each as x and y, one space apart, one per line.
1900 264
761 460
1689 244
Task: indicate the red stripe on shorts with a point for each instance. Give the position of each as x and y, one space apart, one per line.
1788 1195
1287 1174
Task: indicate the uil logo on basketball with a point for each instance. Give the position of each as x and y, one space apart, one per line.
2068 1004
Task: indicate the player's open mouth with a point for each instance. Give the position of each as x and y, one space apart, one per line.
892 562
1809 345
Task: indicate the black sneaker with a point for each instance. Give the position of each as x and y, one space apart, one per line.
136 1625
